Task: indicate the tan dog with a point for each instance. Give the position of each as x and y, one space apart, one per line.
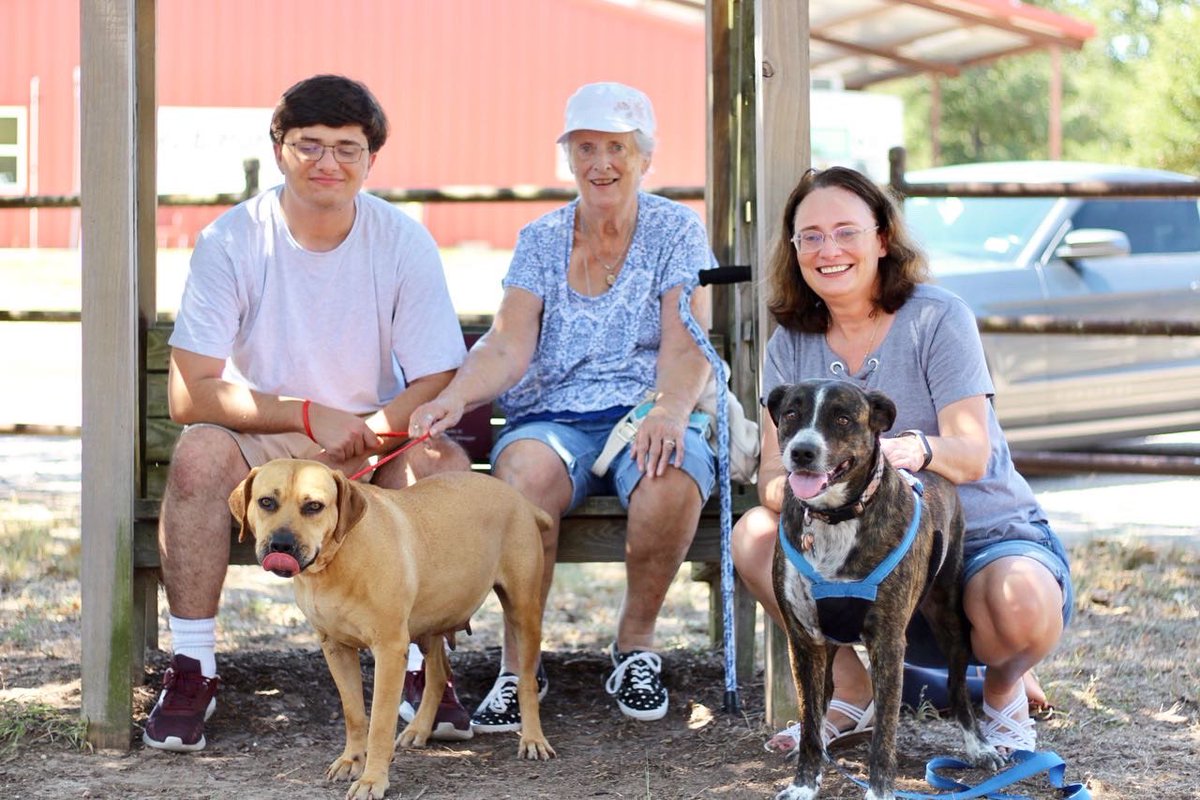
375 568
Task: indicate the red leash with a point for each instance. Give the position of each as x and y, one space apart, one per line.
407 445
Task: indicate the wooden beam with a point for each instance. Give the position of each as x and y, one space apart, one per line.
1036 33
782 154
113 34
890 54
1056 92
935 120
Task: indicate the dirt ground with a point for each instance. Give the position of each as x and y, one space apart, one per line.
1125 685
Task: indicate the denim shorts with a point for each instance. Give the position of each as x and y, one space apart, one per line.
578 443
1046 550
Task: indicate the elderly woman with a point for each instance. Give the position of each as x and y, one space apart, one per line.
848 290
587 329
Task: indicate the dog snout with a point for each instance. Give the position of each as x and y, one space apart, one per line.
284 541
803 456
804 453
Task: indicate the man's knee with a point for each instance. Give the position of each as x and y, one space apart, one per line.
444 455
205 459
421 461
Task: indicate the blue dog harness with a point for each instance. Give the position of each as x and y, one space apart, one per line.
842 606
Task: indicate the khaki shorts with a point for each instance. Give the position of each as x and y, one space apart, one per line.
259 448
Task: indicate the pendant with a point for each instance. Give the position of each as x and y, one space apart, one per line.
610 279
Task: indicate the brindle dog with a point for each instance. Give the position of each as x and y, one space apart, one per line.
845 512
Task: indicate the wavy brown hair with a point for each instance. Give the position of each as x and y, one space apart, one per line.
797 307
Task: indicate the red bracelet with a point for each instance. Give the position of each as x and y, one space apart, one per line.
307 424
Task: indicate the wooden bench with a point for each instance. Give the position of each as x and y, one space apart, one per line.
595 532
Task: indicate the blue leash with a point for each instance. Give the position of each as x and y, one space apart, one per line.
1025 764
723 485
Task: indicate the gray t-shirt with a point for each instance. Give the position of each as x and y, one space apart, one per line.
931 357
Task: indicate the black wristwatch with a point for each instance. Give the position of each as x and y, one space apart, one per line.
924 445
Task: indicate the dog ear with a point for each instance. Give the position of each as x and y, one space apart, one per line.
774 400
883 411
239 501
352 504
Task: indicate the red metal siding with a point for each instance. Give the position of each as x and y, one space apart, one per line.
474 89
43 42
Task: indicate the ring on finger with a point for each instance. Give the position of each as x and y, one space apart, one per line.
668 443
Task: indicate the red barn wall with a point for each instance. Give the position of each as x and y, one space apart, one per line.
474 89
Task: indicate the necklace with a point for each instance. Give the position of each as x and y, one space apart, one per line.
874 330
610 276
838 368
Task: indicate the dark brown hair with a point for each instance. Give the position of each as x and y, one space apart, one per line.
332 100
797 307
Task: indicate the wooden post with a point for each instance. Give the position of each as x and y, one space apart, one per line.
117 97
782 154
1056 91
729 28
935 118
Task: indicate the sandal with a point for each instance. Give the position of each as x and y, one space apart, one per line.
1004 731
787 741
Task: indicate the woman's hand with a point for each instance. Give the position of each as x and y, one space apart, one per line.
660 441
904 452
435 417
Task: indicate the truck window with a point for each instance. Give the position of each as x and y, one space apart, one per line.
1153 225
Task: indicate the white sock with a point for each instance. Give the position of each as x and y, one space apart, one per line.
415 659
196 638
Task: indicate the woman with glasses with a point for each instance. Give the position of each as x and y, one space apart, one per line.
587 329
848 287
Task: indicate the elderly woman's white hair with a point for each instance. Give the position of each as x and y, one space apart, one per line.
611 108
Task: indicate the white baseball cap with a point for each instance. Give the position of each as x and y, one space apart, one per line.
609 107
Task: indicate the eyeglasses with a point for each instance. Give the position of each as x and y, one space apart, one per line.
845 237
343 152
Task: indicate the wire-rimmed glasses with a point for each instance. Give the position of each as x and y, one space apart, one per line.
844 237
343 152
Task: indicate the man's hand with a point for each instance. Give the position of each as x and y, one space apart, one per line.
344 436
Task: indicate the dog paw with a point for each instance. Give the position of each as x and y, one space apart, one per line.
535 749
346 767
794 792
982 754
412 736
364 789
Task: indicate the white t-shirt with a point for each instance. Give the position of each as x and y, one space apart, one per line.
347 328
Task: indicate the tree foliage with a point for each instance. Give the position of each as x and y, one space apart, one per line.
1131 95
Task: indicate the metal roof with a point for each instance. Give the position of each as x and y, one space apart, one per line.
868 41
861 42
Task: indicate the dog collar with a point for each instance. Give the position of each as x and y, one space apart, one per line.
850 510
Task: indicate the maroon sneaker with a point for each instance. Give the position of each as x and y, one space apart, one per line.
452 722
187 700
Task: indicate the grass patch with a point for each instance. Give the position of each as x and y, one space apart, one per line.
31 550
38 723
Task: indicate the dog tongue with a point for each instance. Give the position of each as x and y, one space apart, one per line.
806 484
281 564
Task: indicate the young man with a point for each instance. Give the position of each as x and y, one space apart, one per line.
315 318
